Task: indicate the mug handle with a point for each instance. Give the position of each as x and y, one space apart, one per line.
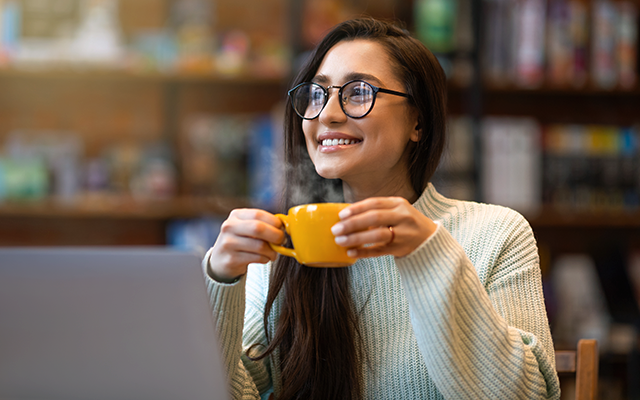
280 249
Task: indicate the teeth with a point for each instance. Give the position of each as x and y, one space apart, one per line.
336 142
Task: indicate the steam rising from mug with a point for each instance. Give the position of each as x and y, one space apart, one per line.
313 189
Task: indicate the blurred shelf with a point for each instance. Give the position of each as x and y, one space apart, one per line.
550 106
127 207
555 90
121 207
112 74
556 218
545 90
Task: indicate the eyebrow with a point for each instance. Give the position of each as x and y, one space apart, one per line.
349 77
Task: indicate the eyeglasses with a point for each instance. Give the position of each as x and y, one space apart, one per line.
356 98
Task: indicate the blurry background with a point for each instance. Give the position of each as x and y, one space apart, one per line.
144 122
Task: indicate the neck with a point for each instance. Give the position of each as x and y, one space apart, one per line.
354 193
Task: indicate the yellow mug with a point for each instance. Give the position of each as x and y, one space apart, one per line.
309 227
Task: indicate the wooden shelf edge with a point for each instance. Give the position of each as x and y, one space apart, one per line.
551 89
555 218
121 207
114 74
127 207
545 89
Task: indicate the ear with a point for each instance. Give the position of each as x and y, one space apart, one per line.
417 132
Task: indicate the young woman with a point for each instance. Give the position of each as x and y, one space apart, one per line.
445 300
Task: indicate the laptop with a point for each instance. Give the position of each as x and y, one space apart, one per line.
106 323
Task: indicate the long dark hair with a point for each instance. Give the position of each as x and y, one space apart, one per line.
317 335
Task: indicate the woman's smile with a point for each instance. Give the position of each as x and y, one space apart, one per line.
330 142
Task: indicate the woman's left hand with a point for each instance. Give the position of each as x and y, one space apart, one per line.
382 225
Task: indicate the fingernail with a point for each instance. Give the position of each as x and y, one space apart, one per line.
344 213
341 239
337 229
352 253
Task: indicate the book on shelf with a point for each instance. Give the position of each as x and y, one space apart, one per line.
627 45
633 269
514 42
569 167
435 22
567 43
529 33
498 45
605 22
576 302
591 167
510 173
233 155
454 177
562 43
265 161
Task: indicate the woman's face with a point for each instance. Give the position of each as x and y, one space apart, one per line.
375 155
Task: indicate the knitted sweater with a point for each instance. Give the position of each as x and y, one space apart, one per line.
461 317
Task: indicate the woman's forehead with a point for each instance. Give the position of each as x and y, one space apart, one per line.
356 59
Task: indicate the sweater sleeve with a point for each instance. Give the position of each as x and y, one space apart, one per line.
490 341
246 378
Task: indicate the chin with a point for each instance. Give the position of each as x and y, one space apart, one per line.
328 173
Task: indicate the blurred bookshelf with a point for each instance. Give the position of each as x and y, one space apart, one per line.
548 124
121 118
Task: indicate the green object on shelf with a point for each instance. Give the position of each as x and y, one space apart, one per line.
435 22
24 179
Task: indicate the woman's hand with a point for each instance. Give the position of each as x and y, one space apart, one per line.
367 223
243 239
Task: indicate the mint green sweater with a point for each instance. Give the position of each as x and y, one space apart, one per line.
462 317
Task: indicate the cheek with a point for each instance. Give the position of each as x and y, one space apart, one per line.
308 131
306 126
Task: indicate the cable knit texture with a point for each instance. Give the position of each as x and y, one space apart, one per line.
462 317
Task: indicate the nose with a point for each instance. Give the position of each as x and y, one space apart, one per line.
332 111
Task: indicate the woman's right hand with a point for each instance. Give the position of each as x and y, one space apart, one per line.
244 238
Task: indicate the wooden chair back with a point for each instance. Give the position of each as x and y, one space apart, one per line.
582 366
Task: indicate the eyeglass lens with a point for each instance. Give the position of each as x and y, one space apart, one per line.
356 99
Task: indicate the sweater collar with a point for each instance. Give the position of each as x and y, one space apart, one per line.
431 203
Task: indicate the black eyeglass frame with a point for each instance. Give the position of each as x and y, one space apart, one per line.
326 96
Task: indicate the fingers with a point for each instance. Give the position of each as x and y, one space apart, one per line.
256 214
247 250
373 236
373 212
243 239
373 203
257 224
364 227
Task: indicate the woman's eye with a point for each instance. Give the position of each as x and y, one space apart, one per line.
316 97
359 94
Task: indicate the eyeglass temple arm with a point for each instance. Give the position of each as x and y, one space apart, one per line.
388 91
